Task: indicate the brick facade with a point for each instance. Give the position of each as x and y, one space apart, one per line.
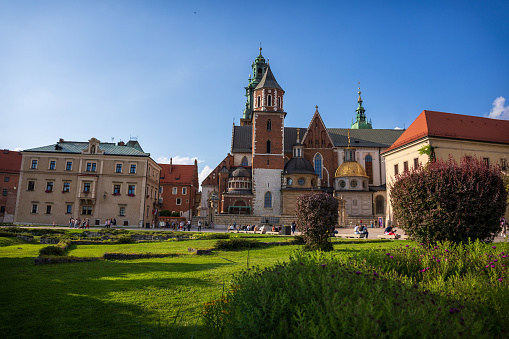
10 164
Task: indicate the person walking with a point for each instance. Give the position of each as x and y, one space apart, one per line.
199 225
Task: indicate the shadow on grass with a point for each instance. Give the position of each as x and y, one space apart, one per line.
108 299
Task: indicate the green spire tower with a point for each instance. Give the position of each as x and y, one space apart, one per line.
259 66
361 121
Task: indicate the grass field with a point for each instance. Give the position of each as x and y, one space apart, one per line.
123 299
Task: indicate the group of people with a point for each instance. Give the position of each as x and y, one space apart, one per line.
110 222
78 223
182 226
361 229
234 227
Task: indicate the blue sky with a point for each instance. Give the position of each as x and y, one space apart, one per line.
172 73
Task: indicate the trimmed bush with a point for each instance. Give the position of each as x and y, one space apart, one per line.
51 250
447 201
236 244
317 216
125 239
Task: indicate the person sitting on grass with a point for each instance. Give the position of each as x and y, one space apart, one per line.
364 230
390 231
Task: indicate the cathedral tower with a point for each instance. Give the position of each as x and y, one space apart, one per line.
259 66
268 144
361 121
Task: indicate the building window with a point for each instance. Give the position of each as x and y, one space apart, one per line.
184 190
289 181
368 161
244 162
379 205
49 186
4 192
318 165
118 168
31 185
86 210
269 125
122 211
6 179
268 146
133 168
68 166
174 190
258 101
48 209
34 208
116 189
301 181
405 166
396 170
67 187
2 209
131 189
86 187
486 161
34 164
416 162
353 183
69 209
179 201
342 183
52 165
268 200
279 102
269 100
91 166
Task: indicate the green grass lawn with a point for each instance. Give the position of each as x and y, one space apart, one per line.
123 299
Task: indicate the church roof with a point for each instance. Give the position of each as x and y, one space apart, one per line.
350 169
242 137
299 165
454 126
268 80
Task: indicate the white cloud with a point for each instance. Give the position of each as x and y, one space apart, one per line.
398 128
178 160
499 110
204 173
18 149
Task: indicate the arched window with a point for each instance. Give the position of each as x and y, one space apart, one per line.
269 125
244 162
318 165
268 146
259 73
279 102
268 200
259 101
369 167
269 100
379 205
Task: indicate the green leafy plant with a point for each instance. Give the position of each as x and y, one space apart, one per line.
450 201
317 215
236 244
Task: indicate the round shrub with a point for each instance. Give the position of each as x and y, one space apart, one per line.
447 201
317 216
125 239
51 250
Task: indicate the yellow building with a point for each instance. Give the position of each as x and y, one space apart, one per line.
87 180
447 134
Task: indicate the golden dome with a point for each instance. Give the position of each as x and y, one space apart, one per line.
350 169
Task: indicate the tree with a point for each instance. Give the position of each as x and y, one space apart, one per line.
445 200
317 216
164 213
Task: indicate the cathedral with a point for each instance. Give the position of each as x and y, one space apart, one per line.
270 165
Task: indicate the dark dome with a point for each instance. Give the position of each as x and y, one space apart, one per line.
241 172
298 165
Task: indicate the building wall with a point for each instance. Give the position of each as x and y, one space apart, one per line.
266 180
105 204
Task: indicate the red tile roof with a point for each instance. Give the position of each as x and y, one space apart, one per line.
454 126
180 174
10 161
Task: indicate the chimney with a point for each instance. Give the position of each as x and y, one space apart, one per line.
60 140
121 143
171 161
